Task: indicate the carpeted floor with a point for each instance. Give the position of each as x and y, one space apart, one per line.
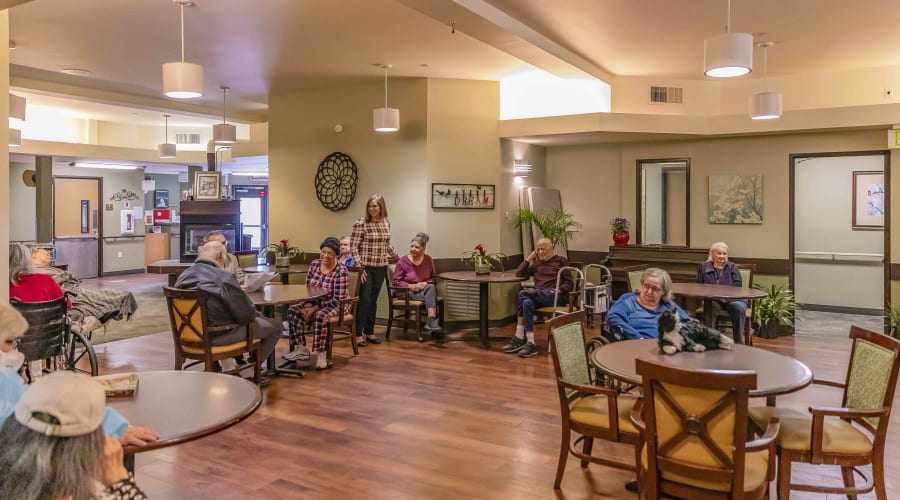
151 316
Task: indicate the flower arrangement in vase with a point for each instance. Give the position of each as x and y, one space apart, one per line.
482 260
283 251
618 226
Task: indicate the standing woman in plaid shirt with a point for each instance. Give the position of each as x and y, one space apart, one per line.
325 272
370 245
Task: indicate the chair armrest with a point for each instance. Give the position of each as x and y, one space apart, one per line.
344 305
829 383
399 293
587 389
766 442
637 417
819 413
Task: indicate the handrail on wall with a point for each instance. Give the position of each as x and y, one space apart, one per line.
834 255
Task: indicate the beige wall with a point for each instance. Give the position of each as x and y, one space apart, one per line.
4 156
510 237
22 205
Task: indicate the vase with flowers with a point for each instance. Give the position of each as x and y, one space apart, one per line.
618 226
482 260
283 252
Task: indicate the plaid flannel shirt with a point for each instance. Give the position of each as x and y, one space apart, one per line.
370 243
335 282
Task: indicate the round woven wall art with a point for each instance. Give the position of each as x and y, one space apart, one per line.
336 180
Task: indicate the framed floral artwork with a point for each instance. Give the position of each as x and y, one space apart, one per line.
868 201
735 199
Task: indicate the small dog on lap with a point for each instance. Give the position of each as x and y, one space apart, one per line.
675 336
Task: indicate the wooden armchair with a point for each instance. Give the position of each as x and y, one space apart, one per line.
633 274
694 426
343 326
833 435
589 410
407 310
192 334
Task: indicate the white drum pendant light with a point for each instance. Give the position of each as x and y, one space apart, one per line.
386 119
15 137
224 133
16 109
182 80
765 105
166 149
729 54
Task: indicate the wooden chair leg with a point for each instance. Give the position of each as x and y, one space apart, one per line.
387 333
440 311
878 476
563 455
586 449
418 322
179 361
406 318
784 478
352 330
255 359
849 482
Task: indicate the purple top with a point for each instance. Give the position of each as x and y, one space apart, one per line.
545 271
730 274
406 273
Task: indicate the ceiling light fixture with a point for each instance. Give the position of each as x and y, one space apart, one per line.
166 149
108 166
729 54
251 174
386 119
522 168
15 137
16 109
182 80
765 105
224 133
76 71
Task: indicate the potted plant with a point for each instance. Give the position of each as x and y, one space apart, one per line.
283 252
618 226
557 226
894 318
776 308
482 260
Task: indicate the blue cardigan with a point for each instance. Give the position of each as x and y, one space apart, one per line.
635 321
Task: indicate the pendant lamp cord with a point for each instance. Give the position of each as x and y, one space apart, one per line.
385 86
727 17
224 92
765 68
182 32
167 129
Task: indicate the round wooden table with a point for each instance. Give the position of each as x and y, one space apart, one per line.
707 291
284 272
776 374
483 281
283 295
184 405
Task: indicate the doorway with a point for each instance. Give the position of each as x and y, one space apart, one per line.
254 216
663 201
76 224
839 244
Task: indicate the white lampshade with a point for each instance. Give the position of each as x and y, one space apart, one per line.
765 106
16 108
224 133
182 80
728 55
386 119
15 137
166 150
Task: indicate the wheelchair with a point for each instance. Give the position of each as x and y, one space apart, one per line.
50 339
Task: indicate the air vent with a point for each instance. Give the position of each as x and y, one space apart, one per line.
666 95
187 138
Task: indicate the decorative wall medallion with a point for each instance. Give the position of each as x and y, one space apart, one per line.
336 180
124 195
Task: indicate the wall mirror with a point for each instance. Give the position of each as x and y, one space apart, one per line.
663 202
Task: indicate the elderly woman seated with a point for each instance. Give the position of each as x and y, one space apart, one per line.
718 270
90 308
636 315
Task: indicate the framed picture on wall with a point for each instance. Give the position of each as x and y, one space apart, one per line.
868 200
207 186
471 196
161 198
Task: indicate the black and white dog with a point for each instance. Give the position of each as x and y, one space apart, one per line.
675 336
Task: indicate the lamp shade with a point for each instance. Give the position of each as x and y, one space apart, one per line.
17 107
728 55
386 119
224 133
166 150
765 106
15 137
182 80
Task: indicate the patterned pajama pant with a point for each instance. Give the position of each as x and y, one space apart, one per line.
318 324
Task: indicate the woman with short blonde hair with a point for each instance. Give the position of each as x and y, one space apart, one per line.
718 270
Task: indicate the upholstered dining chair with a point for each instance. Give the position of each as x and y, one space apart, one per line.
342 326
834 435
633 274
406 310
192 334
694 428
593 412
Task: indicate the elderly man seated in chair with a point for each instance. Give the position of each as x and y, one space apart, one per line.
544 265
226 302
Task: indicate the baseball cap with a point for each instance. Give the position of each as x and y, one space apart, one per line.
74 402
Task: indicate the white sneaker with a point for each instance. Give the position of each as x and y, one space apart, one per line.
228 364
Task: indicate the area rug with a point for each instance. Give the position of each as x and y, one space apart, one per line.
150 317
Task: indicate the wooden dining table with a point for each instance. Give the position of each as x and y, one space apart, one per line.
483 281
271 296
182 406
283 272
776 374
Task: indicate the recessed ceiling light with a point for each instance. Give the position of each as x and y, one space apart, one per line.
77 71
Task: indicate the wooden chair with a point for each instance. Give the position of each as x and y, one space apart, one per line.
634 274
832 435
407 310
343 326
723 320
694 427
192 334
592 411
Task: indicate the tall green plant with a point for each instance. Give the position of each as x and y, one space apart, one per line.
779 305
557 226
894 318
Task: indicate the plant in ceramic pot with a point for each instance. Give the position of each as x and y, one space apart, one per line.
618 226
482 260
557 226
776 308
283 252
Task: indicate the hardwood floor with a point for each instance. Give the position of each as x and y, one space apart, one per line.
410 420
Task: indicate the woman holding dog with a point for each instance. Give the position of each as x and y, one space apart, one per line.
718 270
636 315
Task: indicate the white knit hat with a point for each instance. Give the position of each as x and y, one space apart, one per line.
75 400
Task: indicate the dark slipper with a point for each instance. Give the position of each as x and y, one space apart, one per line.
361 342
373 340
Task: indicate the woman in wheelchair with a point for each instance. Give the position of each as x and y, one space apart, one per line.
25 284
635 315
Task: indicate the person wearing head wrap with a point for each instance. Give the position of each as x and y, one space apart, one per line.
325 272
416 273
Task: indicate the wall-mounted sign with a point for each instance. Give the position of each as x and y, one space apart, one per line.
162 216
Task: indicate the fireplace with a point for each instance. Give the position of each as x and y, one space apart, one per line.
200 217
